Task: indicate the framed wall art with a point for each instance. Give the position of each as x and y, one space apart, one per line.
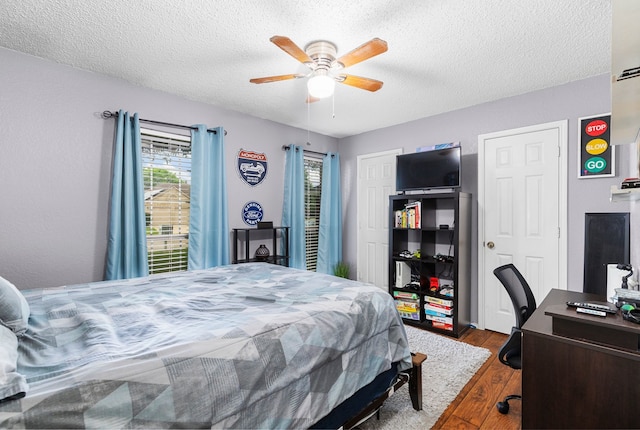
596 155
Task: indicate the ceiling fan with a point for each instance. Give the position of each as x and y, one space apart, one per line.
320 57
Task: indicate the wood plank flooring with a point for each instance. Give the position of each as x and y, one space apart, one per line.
475 406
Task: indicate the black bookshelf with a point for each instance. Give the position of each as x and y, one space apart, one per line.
430 260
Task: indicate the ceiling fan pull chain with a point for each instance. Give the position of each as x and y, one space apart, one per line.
308 122
333 105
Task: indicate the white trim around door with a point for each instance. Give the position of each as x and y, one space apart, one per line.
562 129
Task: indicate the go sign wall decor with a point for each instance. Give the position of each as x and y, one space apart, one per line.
596 157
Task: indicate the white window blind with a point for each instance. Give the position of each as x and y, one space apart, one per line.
312 193
166 162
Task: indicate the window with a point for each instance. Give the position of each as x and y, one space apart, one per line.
166 164
312 193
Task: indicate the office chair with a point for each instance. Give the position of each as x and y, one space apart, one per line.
523 304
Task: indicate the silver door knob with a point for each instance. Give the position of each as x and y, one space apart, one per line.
490 245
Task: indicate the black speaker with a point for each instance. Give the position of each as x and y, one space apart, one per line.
606 241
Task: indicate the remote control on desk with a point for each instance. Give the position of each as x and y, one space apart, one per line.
591 312
592 306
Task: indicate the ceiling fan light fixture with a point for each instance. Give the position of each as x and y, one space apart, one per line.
321 85
320 57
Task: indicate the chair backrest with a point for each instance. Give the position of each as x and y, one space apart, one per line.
524 303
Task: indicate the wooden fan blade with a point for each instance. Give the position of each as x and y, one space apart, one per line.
363 52
275 78
311 99
360 82
292 49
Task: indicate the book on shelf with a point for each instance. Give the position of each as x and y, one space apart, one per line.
444 320
443 326
439 301
439 311
434 313
414 209
410 315
439 307
410 216
405 295
407 305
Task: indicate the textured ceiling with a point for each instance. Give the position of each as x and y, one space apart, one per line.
443 54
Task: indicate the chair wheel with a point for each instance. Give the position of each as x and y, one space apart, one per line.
503 407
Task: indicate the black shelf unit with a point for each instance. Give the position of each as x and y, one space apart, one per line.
439 276
244 237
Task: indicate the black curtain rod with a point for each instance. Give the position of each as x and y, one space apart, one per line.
286 148
108 114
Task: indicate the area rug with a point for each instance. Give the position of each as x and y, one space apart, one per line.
449 366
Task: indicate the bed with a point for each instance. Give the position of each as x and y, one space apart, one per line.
241 346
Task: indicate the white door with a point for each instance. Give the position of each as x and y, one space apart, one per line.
376 182
522 213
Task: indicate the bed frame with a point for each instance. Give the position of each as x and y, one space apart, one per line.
413 377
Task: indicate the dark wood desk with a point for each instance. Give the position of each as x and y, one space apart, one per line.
579 372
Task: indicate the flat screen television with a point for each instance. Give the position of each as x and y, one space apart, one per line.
439 168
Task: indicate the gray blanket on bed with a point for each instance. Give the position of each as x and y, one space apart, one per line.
241 346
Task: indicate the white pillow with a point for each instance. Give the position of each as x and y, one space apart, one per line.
14 309
12 384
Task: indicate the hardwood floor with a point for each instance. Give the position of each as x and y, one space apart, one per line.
475 406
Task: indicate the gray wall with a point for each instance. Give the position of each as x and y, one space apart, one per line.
570 101
55 164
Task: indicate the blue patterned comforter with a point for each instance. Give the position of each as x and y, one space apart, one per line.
241 346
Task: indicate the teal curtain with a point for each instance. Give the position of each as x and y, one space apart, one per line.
293 206
127 243
209 219
330 233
